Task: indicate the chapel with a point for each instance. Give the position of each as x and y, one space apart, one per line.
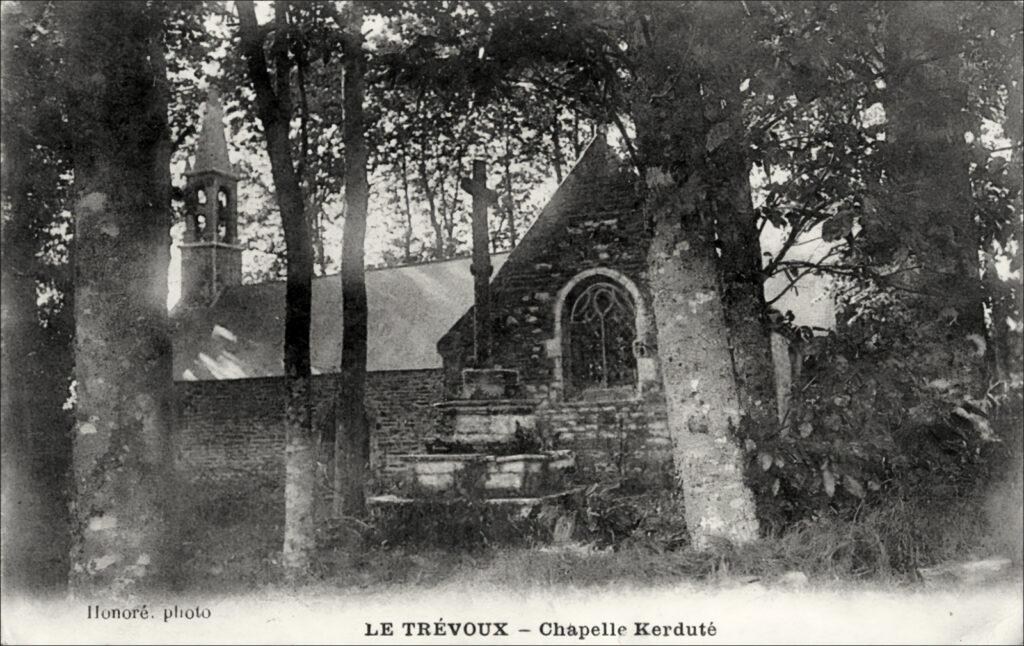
571 354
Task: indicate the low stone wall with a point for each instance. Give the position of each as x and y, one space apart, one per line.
233 429
612 440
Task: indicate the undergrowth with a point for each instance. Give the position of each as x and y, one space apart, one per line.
885 544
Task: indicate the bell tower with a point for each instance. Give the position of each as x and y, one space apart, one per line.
210 254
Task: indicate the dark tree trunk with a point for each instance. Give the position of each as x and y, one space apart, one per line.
928 115
37 359
746 312
428 192
510 206
451 208
35 377
352 454
577 143
557 159
273 106
407 237
122 346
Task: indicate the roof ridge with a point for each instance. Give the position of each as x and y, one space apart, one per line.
369 269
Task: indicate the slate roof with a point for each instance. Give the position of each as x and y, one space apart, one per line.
212 147
241 335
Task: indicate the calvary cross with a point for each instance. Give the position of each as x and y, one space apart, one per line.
481 268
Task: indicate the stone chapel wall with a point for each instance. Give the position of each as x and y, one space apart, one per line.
594 223
232 429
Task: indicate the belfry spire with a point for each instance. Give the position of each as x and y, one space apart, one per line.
212 147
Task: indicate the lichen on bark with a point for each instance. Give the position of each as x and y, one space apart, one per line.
122 477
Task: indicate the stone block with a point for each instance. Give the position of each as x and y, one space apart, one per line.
489 383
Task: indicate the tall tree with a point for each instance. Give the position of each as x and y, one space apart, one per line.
926 200
118 83
352 437
673 136
730 204
36 339
274 107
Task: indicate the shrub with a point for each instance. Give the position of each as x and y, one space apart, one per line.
889 411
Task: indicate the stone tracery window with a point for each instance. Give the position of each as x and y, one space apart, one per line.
600 333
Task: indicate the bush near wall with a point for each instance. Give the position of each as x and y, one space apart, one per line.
894 436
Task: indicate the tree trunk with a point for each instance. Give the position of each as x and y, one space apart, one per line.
746 313
510 206
352 455
36 347
577 144
123 366
927 111
435 224
696 361
407 237
35 375
557 160
702 411
452 207
274 110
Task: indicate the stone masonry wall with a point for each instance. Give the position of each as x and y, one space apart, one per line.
232 429
625 440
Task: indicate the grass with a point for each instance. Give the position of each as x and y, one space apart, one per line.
234 545
827 552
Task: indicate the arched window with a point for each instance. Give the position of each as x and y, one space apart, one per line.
199 218
224 228
200 226
600 332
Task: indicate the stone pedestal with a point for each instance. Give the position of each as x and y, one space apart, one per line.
490 383
487 446
490 476
482 422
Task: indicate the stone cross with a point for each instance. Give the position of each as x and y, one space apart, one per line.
481 268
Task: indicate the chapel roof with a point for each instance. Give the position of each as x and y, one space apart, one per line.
241 335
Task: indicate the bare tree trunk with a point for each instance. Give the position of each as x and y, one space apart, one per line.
352 455
122 454
274 109
577 145
557 160
428 192
407 238
452 208
444 215
510 208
